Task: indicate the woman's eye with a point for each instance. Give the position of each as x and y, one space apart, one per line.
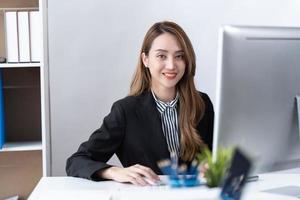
179 57
162 56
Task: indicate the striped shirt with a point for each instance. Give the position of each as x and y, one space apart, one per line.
169 120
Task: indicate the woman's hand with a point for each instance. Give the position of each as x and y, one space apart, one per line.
135 174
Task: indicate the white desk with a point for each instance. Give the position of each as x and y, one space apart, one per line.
81 189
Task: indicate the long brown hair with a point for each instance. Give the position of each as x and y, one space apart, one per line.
191 107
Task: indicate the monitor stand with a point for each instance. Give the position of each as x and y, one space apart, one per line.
252 178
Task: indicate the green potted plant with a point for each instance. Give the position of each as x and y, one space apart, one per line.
216 168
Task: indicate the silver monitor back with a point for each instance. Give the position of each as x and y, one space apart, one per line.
257 82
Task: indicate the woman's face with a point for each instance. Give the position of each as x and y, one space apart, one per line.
165 61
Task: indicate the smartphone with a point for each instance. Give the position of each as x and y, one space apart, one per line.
236 176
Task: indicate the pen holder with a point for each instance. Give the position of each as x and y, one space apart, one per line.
183 181
174 181
191 180
181 176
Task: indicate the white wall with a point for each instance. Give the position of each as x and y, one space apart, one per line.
93 50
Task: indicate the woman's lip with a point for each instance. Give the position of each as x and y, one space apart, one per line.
170 75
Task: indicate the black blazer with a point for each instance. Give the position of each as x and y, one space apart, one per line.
133 131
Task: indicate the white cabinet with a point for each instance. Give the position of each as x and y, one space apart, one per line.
24 103
21 89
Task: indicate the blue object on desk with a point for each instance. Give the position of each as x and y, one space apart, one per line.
2 124
175 182
188 180
191 180
180 176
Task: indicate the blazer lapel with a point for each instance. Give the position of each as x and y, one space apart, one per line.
151 114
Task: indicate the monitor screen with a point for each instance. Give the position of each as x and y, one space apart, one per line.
258 80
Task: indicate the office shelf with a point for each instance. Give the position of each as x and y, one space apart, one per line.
22 106
18 65
23 97
22 146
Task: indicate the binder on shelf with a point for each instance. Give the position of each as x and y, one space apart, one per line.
35 36
23 33
2 37
11 30
2 123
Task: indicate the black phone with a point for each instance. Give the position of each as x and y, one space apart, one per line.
236 176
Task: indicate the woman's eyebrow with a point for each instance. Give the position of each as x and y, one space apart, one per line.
163 50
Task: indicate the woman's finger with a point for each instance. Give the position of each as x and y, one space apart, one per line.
147 172
137 178
132 180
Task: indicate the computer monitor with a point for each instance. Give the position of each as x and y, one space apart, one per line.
258 79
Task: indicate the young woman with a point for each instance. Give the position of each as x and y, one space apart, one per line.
163 114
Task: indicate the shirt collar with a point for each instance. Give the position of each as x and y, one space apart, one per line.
163 105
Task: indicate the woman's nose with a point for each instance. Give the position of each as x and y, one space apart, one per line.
170 64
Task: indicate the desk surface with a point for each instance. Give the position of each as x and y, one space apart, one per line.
79 189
